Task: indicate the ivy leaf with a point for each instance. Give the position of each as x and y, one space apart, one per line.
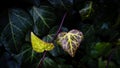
39 45
61 3
70 41
101 49
49 63
55 28
14 32
44 18
86 11
57 51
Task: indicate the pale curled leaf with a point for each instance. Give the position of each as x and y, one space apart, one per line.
39 45
70 41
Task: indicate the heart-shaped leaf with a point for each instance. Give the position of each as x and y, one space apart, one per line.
70 41
39 45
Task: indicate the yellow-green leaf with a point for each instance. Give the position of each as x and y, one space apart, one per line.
39 45
70 41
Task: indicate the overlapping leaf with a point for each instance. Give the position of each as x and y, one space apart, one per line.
57 49
61 3
70 41
14 32
44 18
86 11
39 45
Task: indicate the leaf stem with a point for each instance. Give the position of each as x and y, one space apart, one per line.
42 59
44 54
61 24
110 57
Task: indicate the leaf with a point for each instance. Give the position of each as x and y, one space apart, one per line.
36 2
7 61
55 28
70 41
57 50
103 63
49 63
86 11
30 58
48 38
39 45
29 53
65 66
116 55
14 32
101 49
44 19
61 3
89 33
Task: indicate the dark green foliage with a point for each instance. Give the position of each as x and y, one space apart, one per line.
98 20
14 32
62 4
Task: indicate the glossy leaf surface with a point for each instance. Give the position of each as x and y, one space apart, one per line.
19 23
44 18
61 3
86 11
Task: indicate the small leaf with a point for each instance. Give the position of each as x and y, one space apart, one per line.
70 41
49 63
101 49
63 4
86 11
39 45
55 28
103 63
57 50
36 2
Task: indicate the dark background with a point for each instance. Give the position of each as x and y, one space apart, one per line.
101 31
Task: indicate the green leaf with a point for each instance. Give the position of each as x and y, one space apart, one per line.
61 3
49 38
116 55
64 66
102 64
57 50
118 42
86 11
101 48
36 2
30 58
49 63
44 19
55 28
29 54
89 33
70 41
39 45
14 32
